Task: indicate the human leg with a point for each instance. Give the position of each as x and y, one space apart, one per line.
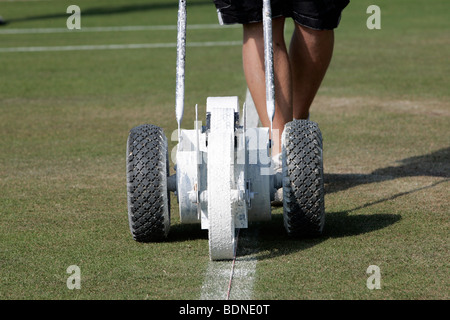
310 54
297 74
253 62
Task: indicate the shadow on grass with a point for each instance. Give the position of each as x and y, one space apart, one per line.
269 240
272 239
186 232
109 10
435 164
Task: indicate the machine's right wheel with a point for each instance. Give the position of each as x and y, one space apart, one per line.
303 187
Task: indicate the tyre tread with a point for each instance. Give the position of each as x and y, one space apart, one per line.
303 190
148 199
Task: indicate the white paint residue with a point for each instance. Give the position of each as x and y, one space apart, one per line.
217 277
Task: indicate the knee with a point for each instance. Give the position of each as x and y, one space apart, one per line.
278 32
253 30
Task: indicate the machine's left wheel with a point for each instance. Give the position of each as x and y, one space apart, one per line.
147 172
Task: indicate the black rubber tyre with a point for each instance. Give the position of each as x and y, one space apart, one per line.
147 172
303 187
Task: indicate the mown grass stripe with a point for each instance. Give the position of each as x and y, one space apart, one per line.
120 46
114 29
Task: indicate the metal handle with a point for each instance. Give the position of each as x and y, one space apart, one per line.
268 61
181 58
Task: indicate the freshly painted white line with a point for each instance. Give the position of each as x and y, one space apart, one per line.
215 285
120 46
217 277
115 29
243 278
216 280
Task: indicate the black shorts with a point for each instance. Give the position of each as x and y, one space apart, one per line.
315 14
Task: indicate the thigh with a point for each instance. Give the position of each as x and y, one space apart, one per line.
318 14
247 11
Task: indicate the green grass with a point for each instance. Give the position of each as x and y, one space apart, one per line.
383 109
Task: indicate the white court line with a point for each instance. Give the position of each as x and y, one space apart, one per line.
215 284
114 29
120 46
217 277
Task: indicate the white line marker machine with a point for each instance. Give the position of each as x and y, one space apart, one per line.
224 177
